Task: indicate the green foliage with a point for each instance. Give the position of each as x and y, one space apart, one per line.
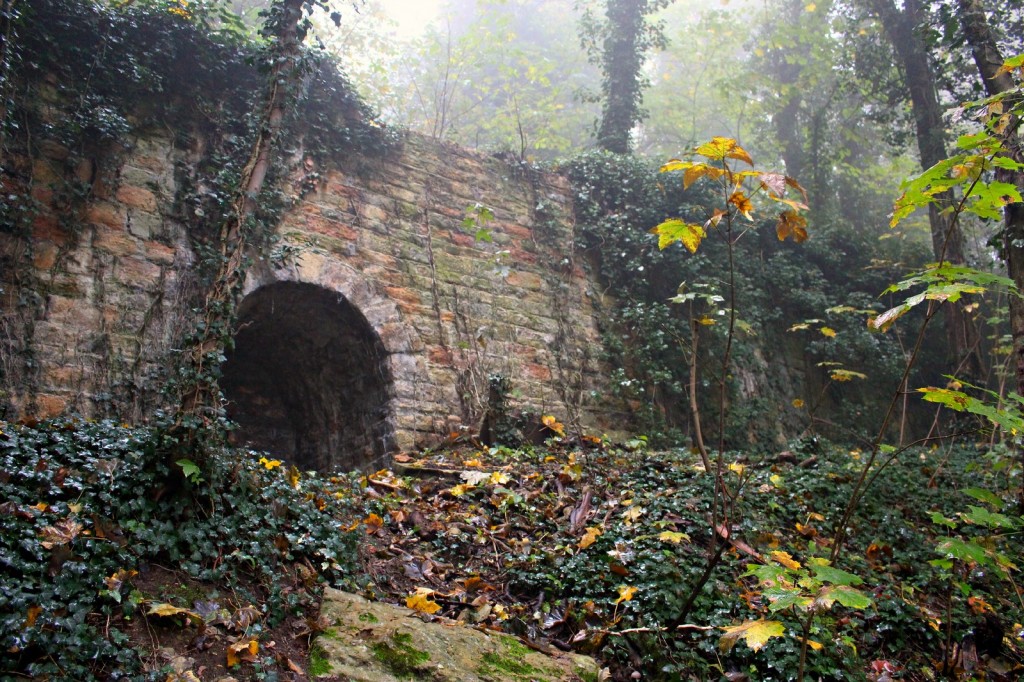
87 503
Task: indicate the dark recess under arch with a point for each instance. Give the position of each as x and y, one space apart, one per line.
308 379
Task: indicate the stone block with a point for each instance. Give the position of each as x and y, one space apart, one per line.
49 405
107 214
137 197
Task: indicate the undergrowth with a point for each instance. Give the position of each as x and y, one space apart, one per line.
85 506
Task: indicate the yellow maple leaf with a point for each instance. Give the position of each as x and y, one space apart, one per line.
791 224
737 468
499 477
270 463
626 593
798 403
672 536
674 230
742 203
785 559
473 463
420 601
590 537
828 331
293 476
632 514
755 633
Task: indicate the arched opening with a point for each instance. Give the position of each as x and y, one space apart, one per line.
308 380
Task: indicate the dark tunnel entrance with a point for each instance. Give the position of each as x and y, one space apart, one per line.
308 380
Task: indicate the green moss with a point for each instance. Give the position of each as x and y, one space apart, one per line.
318 663
399 656
368 618
586 675
510 661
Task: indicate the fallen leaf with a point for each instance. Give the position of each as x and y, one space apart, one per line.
673 536
590 537
33 614
373 523
244 649
785 559
626 593
60 533
422 603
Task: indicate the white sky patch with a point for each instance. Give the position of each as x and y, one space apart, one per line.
412 15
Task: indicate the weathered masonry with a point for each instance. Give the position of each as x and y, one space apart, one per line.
375 330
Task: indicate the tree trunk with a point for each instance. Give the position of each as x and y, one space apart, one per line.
621 61
988 59
947 240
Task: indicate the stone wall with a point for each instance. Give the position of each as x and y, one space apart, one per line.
376 331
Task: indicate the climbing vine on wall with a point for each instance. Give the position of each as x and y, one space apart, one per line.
88 77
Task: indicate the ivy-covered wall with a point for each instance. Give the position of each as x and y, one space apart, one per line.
387 236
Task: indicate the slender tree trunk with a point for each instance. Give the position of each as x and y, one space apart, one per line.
901 27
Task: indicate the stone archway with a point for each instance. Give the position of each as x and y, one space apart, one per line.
309 379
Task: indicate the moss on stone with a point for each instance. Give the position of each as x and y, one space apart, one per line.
399 656
368 618
511 661
318 662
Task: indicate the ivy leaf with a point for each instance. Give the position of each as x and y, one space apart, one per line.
755 633
674 230
189 468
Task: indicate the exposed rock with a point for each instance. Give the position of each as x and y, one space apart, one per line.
374 642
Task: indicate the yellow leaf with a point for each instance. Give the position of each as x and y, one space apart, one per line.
737 468
242 650
798 403
810 7
33 614
293 477
632 514
706 321
553 424
674 230
785 559
41 507
626 593
791 224
674 165
720 148
270 463
742 204
168 610
817 646
755 633
589 537
498 477
473 463
828 331
673 536
461 489
695 173
373 523
775 479
420 602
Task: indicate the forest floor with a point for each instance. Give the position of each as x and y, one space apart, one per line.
583 546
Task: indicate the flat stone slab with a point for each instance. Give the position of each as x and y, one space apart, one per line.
375 642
